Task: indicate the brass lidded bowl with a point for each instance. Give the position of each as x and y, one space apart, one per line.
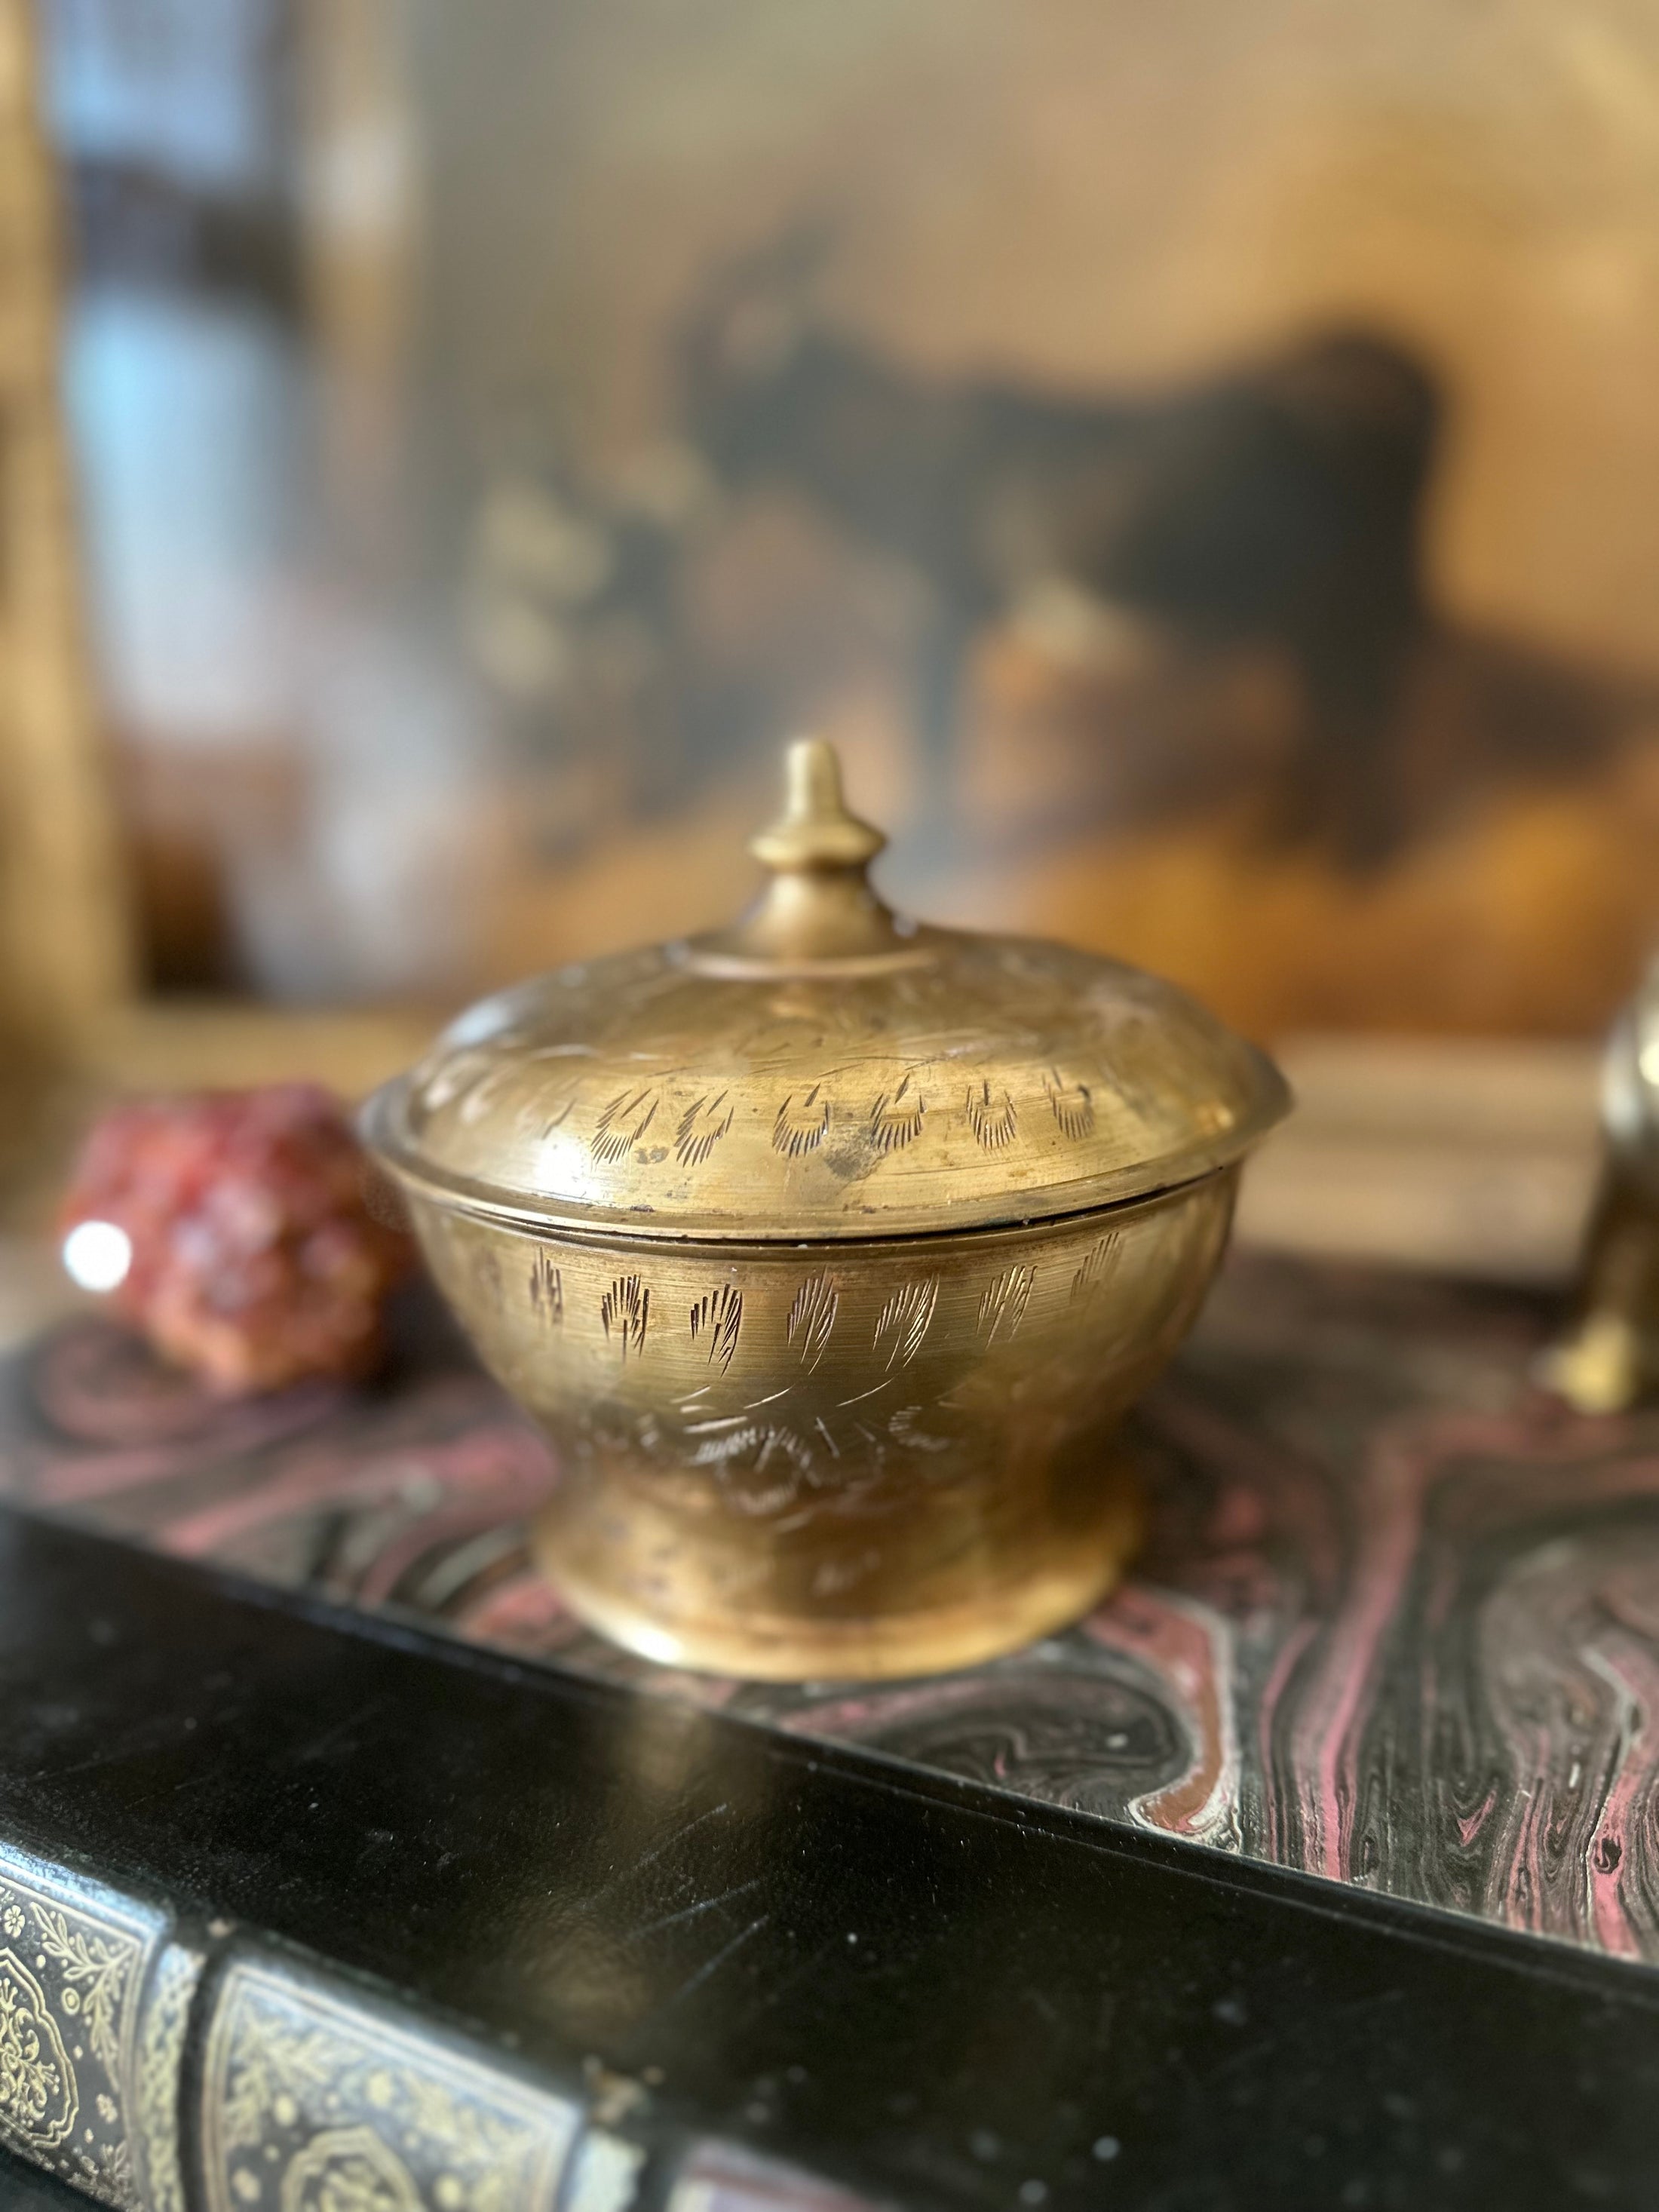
827 1249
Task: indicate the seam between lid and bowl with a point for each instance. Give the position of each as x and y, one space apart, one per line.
1114 1191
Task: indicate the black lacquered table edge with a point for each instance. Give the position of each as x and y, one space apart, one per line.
935 1992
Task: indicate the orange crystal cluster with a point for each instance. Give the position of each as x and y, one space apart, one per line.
259 1253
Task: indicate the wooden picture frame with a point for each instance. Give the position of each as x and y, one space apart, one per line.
72 1003
66 956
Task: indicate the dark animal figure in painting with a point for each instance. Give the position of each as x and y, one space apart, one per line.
1279 504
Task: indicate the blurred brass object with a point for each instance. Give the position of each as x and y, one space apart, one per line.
1610 1357
827 1249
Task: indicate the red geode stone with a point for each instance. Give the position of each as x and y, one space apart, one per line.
257 1260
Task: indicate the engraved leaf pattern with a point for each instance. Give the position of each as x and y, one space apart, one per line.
905 1319
802 1124
720 1318
763 1439
1002 1308
1074 1106
546 1290
623 1125
625 1313
895 1118
701 1128
991 1115
1098 1265
811 1317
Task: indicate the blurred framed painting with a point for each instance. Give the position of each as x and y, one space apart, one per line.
1200 466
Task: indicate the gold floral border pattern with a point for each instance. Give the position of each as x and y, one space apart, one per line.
163 2024
315 2099
72 1956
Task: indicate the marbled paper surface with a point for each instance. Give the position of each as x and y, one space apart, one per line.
1397 1624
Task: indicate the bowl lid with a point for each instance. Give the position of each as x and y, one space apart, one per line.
825 1068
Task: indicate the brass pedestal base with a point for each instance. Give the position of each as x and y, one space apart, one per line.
762 1645
882 1458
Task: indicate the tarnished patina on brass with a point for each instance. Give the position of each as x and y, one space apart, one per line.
829 1249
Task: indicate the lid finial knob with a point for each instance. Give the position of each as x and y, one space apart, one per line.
817 914
815 830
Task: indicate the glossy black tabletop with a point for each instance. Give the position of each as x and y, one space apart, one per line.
934 1991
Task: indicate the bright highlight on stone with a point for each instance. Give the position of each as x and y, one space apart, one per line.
98 1254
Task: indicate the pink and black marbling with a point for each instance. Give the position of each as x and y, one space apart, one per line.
1397 1623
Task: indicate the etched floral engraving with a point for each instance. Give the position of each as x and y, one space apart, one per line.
1073 1107
701 1128
802 1123
1002 1308
811 1317
623 1125
546 1290
719 1319
896 1116
1098 1265
625 1313
905 1319
991 1115
760 1441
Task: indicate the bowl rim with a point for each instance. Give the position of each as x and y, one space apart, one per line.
379 1124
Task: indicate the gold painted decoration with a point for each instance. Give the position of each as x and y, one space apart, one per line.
163 2025
39 2095
315 2099
72 1962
